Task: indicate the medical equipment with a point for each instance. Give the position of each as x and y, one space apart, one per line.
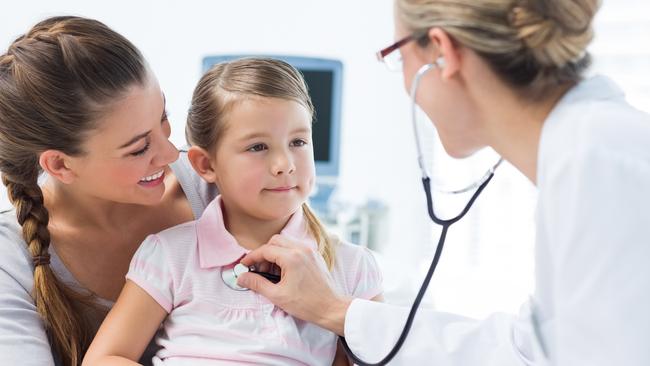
229 275
426 182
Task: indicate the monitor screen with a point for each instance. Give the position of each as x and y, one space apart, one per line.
324 81
319 83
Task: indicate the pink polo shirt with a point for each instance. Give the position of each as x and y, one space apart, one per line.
211 324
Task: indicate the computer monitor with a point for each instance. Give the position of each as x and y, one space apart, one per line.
324 81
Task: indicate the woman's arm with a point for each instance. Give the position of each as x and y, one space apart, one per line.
23 340
22 331
127 329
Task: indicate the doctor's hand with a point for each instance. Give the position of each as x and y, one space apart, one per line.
305 290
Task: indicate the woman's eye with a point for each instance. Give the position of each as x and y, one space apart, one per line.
298 142
257 148
141 151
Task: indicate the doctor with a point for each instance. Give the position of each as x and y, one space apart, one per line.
509 75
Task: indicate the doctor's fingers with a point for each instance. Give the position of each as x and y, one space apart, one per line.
285 241
258 284
285 258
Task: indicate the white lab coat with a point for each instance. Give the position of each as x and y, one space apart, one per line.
592 299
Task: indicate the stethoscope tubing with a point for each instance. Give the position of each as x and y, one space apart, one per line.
445 223
427 279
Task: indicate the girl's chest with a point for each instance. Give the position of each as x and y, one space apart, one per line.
206 308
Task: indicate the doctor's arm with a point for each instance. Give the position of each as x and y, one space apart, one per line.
127 329
371 328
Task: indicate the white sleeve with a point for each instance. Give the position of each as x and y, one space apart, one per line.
601 261
23 340
441 339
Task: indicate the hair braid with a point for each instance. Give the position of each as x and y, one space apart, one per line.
59 306
56 81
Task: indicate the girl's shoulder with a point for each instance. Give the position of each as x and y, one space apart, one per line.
357 271
172 243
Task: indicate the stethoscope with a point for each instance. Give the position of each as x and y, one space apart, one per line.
230 274
479 185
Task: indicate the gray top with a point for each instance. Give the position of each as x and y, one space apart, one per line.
23 340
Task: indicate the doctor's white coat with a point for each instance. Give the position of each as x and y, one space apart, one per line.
592 300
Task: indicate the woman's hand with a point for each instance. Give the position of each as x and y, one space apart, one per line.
306 288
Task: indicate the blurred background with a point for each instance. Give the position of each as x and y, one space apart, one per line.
374 196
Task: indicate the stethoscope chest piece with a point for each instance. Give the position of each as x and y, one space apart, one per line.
229 276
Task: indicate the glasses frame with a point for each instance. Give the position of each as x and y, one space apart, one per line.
383 53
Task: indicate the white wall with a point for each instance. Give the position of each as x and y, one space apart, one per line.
487 264
174 36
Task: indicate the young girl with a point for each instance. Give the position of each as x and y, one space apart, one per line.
250 127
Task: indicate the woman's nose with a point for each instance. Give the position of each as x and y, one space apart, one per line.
166 153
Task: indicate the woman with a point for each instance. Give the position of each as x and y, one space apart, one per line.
78 102
512 72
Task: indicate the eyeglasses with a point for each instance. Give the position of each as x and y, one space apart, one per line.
391 55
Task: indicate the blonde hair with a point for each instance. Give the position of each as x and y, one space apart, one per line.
228 83
533 45
55 82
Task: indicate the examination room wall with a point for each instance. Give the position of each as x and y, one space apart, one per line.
487 265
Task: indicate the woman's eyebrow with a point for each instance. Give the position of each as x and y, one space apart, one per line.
135 139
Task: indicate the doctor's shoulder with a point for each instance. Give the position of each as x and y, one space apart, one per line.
602 128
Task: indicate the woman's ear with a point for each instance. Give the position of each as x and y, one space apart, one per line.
202 162
446 49
57 165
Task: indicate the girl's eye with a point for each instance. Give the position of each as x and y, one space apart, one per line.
142 151
298 142
257 148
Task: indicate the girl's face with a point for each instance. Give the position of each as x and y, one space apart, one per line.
264 161
127 156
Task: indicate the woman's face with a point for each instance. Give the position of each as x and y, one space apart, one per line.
444 101
127 156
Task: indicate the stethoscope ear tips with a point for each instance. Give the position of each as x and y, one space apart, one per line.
440 62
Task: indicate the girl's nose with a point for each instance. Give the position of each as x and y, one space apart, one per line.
283 164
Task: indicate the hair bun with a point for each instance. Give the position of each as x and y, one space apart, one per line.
6 59
556 32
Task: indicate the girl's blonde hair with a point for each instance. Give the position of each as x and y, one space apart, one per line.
227 83
534 45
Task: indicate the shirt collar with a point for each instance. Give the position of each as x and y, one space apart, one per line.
218 248
597 87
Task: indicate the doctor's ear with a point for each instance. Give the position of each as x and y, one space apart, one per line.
58 165
202 163
446 52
